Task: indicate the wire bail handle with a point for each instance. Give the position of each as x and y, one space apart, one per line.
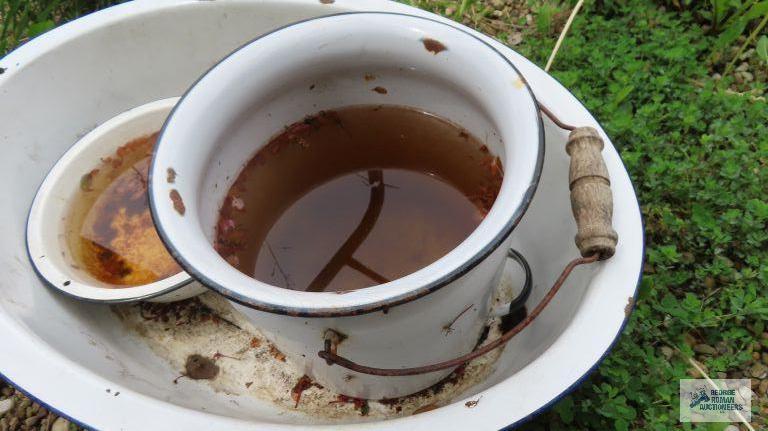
592 206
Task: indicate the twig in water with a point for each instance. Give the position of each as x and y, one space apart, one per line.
278 266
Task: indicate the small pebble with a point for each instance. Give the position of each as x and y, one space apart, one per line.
705 349
748 53
515 38
743 67
763 387
450 11
745 393
60 424
731 428
498 14
31 421
6 405
759 371
666 351
498 4
26 402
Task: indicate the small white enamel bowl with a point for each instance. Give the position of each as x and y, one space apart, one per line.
322 64
46 241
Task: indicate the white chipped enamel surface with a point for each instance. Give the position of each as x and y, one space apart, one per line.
147 50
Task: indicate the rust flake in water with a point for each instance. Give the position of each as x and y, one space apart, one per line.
380 90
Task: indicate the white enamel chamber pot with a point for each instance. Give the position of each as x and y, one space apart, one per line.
46 227
65 353
320 64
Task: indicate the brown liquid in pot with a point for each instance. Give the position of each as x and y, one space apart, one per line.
356 197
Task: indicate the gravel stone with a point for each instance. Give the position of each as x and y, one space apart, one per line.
515 38
6 405
33 420
667 351
705 349
759 371
762 389
60 424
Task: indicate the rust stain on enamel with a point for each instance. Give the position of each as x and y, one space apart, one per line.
473 403
171 176
434 46
380 90
178 203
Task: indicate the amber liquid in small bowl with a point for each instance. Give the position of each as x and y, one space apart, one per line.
110 232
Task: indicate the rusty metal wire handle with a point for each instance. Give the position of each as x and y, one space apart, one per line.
332 358
592 205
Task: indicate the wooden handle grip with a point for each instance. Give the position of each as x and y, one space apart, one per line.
591 198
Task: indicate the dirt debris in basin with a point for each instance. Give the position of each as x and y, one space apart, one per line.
209 332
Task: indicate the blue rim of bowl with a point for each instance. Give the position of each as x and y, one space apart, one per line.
385 304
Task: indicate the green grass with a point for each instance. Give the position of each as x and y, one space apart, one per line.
21 20
697 155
